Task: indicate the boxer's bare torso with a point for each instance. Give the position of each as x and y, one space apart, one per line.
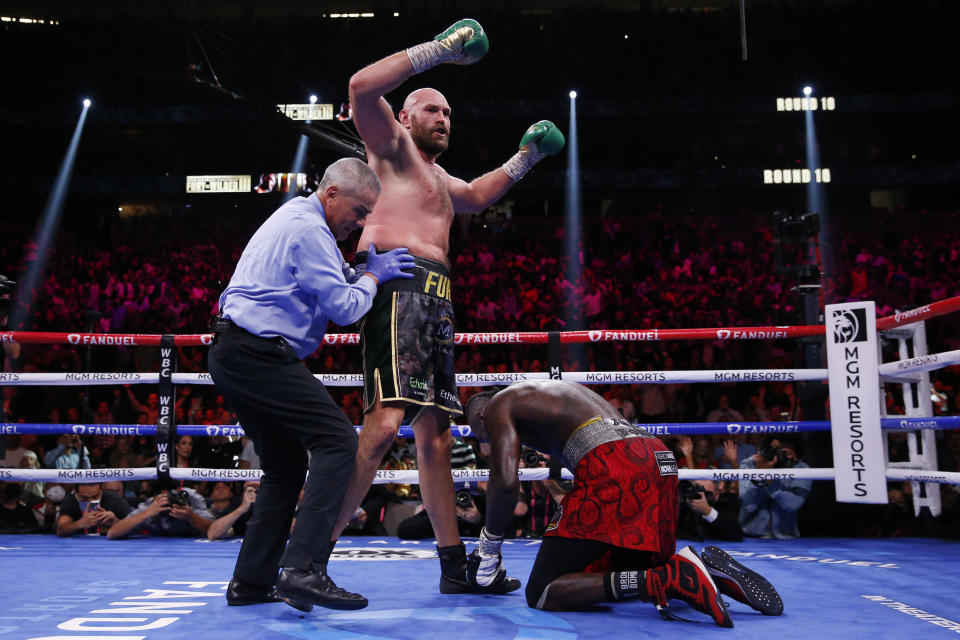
415 209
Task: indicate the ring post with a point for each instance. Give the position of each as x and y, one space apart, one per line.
166 419
855 398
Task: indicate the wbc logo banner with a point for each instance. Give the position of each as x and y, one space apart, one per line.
855 396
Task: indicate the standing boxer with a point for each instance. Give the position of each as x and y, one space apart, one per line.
614 536
408 334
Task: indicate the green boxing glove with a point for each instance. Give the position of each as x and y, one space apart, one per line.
541 139
463 43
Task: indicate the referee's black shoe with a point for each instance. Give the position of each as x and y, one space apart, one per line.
241 593
316 587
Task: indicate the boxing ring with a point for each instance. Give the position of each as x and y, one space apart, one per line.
89 587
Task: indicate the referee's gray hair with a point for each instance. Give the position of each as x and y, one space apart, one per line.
350 175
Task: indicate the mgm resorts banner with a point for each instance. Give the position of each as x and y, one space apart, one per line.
855 395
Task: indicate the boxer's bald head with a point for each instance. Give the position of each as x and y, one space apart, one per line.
426 94
426 114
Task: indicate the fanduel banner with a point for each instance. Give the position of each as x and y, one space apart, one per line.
855 397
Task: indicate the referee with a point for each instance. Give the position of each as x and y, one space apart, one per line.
290 280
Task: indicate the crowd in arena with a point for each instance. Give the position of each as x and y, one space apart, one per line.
657 270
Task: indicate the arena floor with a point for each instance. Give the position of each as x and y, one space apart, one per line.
150 588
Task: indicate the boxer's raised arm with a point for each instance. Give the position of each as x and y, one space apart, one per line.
371 113
464 42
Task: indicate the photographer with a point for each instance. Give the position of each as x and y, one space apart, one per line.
177 512
707 512
769 507
469 518
538 500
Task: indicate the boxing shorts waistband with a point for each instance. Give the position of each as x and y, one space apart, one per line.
429 277
595 432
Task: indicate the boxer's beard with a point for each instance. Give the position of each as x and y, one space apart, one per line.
423 138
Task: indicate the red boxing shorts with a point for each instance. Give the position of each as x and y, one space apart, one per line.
624 494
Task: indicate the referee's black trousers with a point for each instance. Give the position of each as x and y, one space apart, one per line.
286 412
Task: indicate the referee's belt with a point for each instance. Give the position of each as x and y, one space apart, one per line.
222 325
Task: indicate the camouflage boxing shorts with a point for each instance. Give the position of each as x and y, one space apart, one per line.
407 339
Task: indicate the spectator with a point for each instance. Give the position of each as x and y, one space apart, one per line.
219 452
15 451
728 454
151 408
756 411
184 452
487 312
248 455
462 455
222 500
694 454
185 516
121 455
770 507
48 513
15 515
653 402
90 509
66 455
32 489
120 490
724 412
950 451
103 414
234 522
619 398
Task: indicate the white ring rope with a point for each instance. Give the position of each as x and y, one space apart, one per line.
463 379
893 370
919 364
907 370
411 476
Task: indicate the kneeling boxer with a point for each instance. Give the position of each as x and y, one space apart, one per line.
614 536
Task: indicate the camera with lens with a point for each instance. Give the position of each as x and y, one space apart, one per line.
532 458
690 490
464 498
179 498
769 452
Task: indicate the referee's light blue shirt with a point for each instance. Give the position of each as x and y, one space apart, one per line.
289 280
